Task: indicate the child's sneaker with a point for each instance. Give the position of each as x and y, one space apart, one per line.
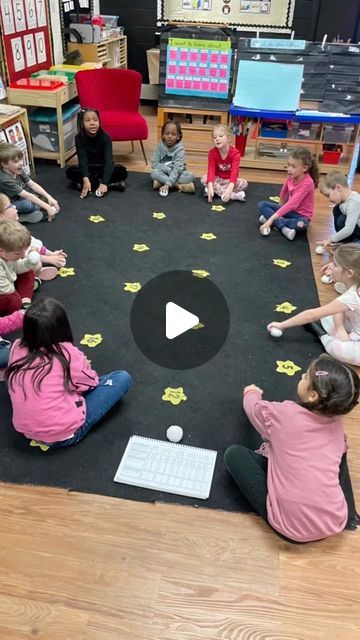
288 233
326 279
339 287
262 220
239 195
156 185
47 273
37 284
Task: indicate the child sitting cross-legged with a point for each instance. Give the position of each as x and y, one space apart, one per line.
222 178
17 276
21 189
168 162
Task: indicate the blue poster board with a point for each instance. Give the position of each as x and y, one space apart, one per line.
268 85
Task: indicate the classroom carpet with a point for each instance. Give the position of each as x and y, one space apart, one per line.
260 277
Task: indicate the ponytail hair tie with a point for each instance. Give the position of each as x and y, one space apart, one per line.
321 373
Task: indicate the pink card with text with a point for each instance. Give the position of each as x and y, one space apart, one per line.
172 69
222 87
194 56
205 86
193 70
214 57
187 84
179 84
196 85
183 55
224 58
203 57
223 73
173 55
214 86
202 71
213 72
182 69
170 82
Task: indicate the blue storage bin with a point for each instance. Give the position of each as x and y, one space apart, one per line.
44 130
274 129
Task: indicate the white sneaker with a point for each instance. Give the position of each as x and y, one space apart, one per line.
339 287
240 195
262 219
288 233
325 279
206 192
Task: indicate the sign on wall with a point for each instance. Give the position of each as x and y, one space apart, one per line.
26 38
252 15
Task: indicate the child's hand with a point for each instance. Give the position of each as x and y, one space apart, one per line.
57 258
210 189
164 190
54 203
86 188
102 188
327 268
266 225
275 325
51 211
252 387
227 193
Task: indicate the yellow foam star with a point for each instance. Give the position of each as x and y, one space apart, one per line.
141 247
208 236
41 445
285 307
91 340
199 325
200 273
96 219
287 366
174 395
281 263
133 287
64 272
159 215
218 207
274 199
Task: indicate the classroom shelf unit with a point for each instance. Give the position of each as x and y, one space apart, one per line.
333 138
112 52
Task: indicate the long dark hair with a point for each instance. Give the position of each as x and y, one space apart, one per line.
336 384
309 161
80 120
46 326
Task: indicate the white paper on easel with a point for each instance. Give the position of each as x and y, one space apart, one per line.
268 85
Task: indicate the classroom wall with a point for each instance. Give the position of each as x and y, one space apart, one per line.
312 19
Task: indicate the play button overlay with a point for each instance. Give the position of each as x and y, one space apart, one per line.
179 321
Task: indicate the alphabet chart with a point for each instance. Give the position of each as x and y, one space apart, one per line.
25 29
198 67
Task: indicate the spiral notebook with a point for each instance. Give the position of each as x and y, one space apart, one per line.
166 466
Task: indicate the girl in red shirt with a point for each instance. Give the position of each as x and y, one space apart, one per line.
223 168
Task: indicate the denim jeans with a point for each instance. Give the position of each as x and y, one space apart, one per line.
24 206
290 219
111 388
4 352
339 223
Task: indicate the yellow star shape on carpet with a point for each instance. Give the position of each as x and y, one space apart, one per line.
159 215
141 247
199 325
285 307
41 445
174 395
287 366
96 219
218 207
281 263
133 287
208 236
64 272
200 273
91 340
274 199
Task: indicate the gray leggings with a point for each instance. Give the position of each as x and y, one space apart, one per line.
161 174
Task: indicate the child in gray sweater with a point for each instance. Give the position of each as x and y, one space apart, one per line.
168 162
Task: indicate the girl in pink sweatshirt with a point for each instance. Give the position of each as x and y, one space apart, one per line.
56 396
297 197
299 480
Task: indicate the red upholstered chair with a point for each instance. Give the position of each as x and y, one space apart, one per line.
116 95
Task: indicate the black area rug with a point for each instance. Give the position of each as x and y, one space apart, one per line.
240 262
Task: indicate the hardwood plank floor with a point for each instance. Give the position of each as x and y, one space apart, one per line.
86 567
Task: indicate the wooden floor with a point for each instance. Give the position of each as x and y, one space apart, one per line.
83 567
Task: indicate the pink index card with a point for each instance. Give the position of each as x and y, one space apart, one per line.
170 83
187 84
183 56
214 86
202 71
223 87
205 86
196 85
214 58
179 84
213 72
193 70
224 58
173 54
172 69
204 56
182 69
223 73
194 56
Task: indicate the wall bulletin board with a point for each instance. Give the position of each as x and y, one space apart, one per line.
26 37
249 15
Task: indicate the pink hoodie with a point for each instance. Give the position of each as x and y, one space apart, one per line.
12 322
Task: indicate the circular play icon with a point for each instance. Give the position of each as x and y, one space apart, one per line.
179 321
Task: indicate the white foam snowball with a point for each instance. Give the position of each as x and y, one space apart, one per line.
265 232
275 332
320 249
174 433
98 193
33 257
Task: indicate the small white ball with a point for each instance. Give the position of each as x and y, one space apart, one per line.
174 433
98 193
265 232
320 249
275 332
33 257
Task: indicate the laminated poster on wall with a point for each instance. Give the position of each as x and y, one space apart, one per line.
15 135
268 86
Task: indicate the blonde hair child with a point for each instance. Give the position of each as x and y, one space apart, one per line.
222 178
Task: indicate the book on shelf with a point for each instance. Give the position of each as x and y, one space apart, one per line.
9 109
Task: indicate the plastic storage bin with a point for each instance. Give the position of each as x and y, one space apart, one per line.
337 133
43 128
331 157
303 131
272 129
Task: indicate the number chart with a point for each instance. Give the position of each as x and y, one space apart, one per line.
25 29
198 68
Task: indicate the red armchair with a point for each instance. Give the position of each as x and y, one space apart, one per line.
116 95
